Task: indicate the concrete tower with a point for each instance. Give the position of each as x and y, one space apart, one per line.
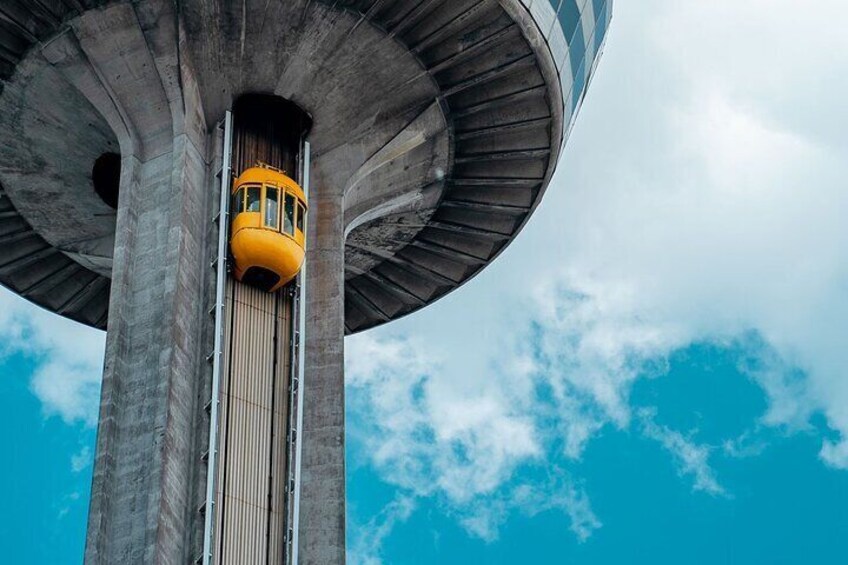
434 127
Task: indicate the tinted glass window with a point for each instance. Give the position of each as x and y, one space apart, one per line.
254 204
300 214
569 18
288 215
272 207
579 85
238 202
577 50
600 26
598 6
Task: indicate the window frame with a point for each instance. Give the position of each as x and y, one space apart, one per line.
290 197
248 188
300 218
239 200
265 191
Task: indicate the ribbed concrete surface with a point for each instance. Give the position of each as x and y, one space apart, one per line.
437 125
252 497
446 118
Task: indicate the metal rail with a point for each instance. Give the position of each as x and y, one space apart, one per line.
300 308
221 281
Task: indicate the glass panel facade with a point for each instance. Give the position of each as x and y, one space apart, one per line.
584 36
569 19
601 20
579 85
288 215
272 207
577 52
254 199
569 16
598 6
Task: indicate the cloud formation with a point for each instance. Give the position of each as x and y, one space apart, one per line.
432 436
701 199
67 356
81 460
719 208
428 435
692 459
367 540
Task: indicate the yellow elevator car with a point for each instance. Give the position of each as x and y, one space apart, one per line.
267 233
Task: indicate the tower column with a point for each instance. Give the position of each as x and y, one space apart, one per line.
322 508
142 508
436 132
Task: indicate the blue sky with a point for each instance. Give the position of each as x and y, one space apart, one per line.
653 373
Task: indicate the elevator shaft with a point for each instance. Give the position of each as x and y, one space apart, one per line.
254 475
253 469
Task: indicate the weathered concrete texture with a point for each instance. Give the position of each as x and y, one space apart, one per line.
142 508
322 511
445 114
437 127
451 112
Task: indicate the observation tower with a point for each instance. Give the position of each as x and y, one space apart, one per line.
228 188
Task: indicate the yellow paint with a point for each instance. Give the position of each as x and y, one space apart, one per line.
275 177
256 245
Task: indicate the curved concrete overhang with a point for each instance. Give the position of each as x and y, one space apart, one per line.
439 122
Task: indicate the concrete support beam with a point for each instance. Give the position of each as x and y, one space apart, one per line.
322 511
143 506
436 129
141 489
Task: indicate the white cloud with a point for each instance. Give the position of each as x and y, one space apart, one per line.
432 435
367 539
692 459
718 209
835 453
67 502
747 444
701 199
559 492
81 460
68 358
590 345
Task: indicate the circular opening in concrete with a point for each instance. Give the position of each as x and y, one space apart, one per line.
106 175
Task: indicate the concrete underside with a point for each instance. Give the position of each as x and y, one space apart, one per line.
439 121
437 125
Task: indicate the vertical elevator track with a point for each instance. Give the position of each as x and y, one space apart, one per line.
252 487
253 474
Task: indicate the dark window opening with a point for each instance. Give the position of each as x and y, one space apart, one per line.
288 218
300 213
106 176
271 207
254 202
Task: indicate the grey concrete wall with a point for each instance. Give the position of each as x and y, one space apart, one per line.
322 508
437 127
143 508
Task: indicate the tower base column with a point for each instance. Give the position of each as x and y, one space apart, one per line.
322 509
143 509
